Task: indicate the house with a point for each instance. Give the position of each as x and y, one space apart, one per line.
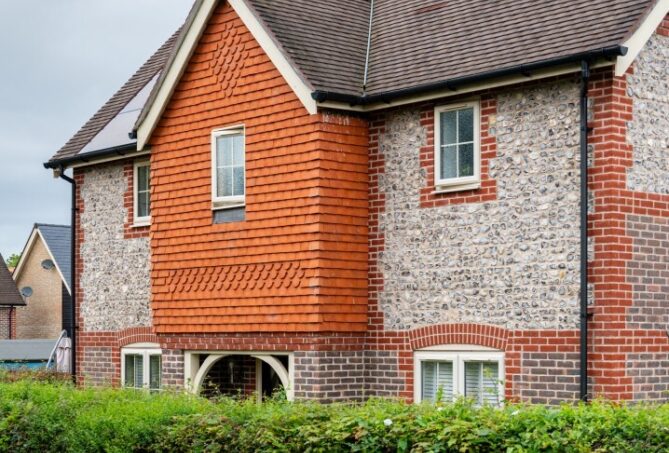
42 275
382 198
9 300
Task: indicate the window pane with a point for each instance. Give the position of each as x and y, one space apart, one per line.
466 160
449 165
238 150
473 381
139 371
143 209
134 371
224 150
490 382
224 183
481 382
465 125
155 372
437 381
429 370
238 180
143 178
448 127
129 379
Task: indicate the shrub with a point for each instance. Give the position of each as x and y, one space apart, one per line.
42 375
60 418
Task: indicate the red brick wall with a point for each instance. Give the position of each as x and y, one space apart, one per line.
298 261
100 354
629 343
488 143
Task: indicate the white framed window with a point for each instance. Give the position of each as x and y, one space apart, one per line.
141 366
228 183
142 193
448 374
457 148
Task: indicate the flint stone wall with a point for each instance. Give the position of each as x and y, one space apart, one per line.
648 132
115 279
512 262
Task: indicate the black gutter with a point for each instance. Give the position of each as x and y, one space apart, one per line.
453 84
585 76
120 150
73 268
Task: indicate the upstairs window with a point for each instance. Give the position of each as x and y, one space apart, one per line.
229 168
445 375
142 367
142 194
457 148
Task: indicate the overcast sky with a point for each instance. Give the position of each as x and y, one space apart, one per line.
60 60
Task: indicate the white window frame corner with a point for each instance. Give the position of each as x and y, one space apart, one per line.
146 350
137 221
462 183
230 202
458 355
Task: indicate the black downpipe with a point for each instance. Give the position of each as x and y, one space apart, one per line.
73 272
585 76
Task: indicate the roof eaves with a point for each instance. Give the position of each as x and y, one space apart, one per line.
453 84
121 151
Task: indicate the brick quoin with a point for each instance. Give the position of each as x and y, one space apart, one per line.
616 344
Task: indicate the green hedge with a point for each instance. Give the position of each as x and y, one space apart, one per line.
47 417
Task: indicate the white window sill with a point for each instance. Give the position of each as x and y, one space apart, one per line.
457 187
219 206
141 223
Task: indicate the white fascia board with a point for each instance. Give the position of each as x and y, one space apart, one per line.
24 254
104 160
465 89
640 37
174 72
297 83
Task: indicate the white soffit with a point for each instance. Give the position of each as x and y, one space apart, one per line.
640 37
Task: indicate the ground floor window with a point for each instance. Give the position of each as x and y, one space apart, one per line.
141 366
442 375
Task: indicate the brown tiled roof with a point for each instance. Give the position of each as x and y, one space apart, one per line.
414 43
9 295
326 40
117 102
417 42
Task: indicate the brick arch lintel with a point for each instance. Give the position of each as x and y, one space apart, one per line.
136 335
472 334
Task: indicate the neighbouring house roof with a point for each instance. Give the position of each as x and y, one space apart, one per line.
354 51
9 294
57 240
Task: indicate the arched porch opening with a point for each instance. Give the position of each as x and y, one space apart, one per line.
238 374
